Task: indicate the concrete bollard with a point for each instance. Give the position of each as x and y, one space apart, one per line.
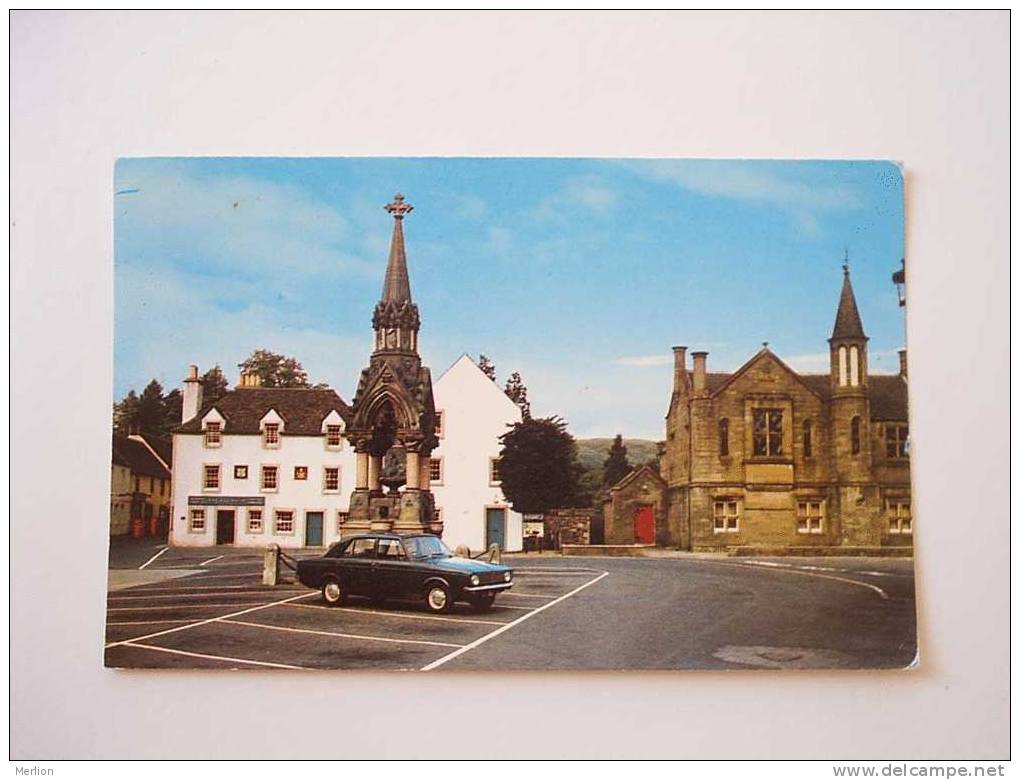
271 565
495 554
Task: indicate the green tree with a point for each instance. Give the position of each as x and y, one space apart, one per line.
275 370
518 393
616 466
173 404
125 413
538 466
487 366
214 385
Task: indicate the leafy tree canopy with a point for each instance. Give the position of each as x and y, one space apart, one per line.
275 370
538 466
487 366
518 393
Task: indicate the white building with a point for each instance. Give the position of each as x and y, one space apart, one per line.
261 465
472 413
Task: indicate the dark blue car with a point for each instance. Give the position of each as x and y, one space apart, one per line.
403 566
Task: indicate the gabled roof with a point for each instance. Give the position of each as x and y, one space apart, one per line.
761 354
302 409
136 456
645 470
163 448
848 319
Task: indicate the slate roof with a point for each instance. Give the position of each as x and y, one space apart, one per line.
163 447
848 320
887 392
302 409
136 456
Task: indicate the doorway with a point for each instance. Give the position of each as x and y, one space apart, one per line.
225 526
495 527
313 529
644 524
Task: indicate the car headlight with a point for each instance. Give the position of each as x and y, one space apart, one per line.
474 579
507 576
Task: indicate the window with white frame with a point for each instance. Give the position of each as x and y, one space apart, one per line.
283 522
334 437
270 478
725 516
213 434
211 476
271 435
240 472
254 521
196 521
898 512
341 520
439 423
436 471
810 514
331 479
494 478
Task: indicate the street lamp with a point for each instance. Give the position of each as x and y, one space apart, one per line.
899 278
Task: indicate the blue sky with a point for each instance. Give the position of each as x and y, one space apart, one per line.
581 274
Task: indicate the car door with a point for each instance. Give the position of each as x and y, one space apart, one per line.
392 570
358 565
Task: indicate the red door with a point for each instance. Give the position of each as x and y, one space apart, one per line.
644 525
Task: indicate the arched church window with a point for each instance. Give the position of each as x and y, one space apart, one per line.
842 366
808 443
724 437
855 370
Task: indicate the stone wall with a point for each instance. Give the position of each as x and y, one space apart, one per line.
568 526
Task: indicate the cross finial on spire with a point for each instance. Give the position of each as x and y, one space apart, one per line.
398 208
846 260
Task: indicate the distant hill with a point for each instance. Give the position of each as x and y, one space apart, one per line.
592 453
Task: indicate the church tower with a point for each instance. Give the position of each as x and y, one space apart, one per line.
850 412
393 416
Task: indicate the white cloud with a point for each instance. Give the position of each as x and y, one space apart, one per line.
498 239
749 181
643 361
588 192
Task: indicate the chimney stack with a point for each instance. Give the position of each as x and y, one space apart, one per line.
699 371
192 395
250 379
903 363
679 368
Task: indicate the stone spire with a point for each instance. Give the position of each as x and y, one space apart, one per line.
396 320
397 287
848 319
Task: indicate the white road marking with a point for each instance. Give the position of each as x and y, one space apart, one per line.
207 620
173 588
508 606
154 557
174 606
203 563
337 634
150 596
450 656
790 570
203 577
212 657
529 595
147 622
544 570
406 615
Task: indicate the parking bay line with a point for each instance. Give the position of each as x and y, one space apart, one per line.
134 596
450 656
154 557
529 595
147 622
363 637
405 615
203 563
175 606
202 622
212 657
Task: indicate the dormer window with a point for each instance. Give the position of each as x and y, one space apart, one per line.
334 436
271 435
213 434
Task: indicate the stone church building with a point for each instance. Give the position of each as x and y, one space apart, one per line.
769 459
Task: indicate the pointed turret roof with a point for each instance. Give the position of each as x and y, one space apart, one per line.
397 286
848 319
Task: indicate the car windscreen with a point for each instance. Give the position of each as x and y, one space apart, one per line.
426 547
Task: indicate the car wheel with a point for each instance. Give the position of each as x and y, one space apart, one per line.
438 598
332 593
483 602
